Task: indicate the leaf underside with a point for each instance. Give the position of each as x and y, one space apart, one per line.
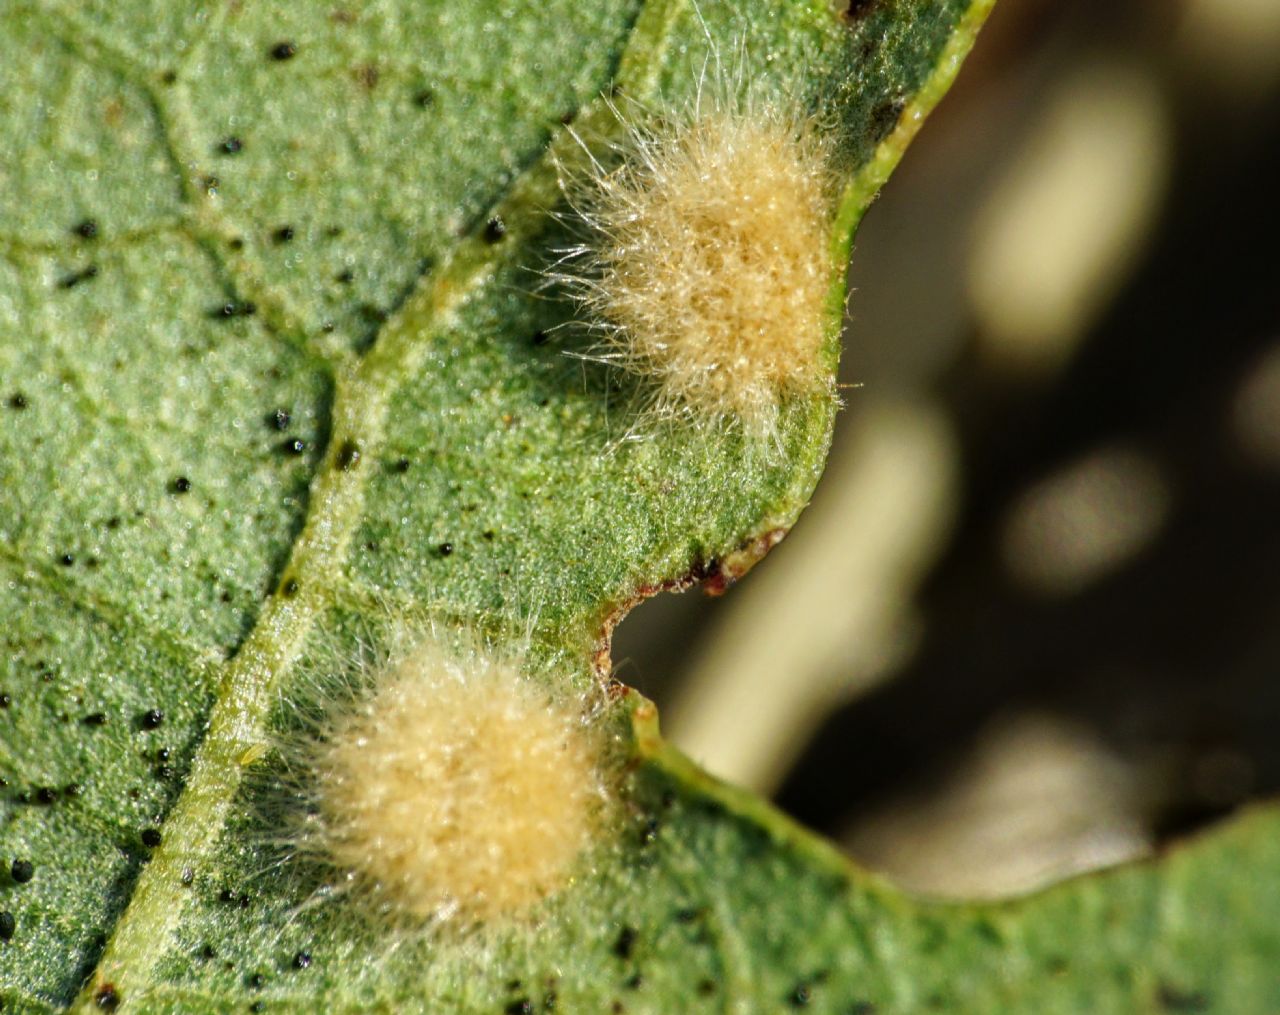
272 377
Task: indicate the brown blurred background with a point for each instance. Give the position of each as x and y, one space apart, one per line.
1030 624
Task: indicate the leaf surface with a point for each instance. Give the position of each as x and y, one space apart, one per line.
275 370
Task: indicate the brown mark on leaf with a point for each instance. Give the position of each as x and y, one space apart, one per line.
740 561
113 112
715 576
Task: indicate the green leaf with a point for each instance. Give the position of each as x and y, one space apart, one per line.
263 357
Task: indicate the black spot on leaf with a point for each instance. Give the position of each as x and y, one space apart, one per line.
1173 999
233 308
855 10
76 277
626 943
348 456
885 117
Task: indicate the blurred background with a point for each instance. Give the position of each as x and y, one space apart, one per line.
1030 624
